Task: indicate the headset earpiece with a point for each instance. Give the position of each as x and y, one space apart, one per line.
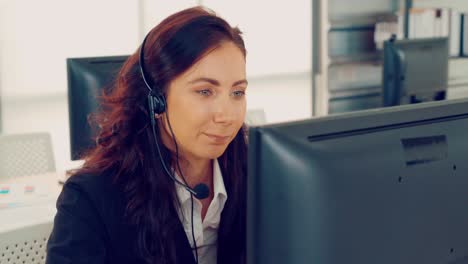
156 106
159 103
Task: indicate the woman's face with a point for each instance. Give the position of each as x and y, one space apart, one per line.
206 104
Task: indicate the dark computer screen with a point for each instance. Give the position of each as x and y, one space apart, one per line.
387 185
87 77
415 70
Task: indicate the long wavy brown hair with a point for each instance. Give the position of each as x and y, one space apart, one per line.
125 138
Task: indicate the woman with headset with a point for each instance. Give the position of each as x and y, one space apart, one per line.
166 182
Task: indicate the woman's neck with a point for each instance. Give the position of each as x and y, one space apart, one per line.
196 171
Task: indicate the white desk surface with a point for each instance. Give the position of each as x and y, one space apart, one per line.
20 210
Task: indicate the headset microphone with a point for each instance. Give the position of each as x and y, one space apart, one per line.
202 191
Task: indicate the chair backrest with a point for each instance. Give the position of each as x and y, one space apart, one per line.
25 245
26 154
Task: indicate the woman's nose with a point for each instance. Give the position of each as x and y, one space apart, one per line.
225 111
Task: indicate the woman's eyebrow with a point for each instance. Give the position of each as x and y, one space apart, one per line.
216 82
244 81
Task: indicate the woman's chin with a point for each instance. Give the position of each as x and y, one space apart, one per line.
213 152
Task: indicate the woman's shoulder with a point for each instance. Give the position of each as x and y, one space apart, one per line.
99 189
90 181
91 219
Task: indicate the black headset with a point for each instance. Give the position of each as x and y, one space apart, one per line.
157 105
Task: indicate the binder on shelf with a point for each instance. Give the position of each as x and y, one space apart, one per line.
464 43
441 22
438 22
428 23
455 33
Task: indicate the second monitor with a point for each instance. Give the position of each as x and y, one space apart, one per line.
87 78
415 70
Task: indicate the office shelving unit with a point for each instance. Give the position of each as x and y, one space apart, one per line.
346 63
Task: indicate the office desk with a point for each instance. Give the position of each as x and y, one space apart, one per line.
21 211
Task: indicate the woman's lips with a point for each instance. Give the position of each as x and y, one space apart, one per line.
217 139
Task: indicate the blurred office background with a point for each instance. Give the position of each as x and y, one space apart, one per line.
286 63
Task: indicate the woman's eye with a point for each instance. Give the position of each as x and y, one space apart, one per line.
204 92
239 93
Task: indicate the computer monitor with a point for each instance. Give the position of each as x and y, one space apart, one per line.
387 185
87 77
415 70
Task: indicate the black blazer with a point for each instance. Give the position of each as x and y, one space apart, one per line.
89 226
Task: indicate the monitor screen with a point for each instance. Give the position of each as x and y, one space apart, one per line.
386 185
415 70
87 77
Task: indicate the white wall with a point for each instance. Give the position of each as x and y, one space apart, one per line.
282 97
278 34
37 36
154 11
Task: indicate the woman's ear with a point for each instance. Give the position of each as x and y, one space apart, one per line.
157 116
162 121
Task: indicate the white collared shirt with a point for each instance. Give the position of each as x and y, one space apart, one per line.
206 231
